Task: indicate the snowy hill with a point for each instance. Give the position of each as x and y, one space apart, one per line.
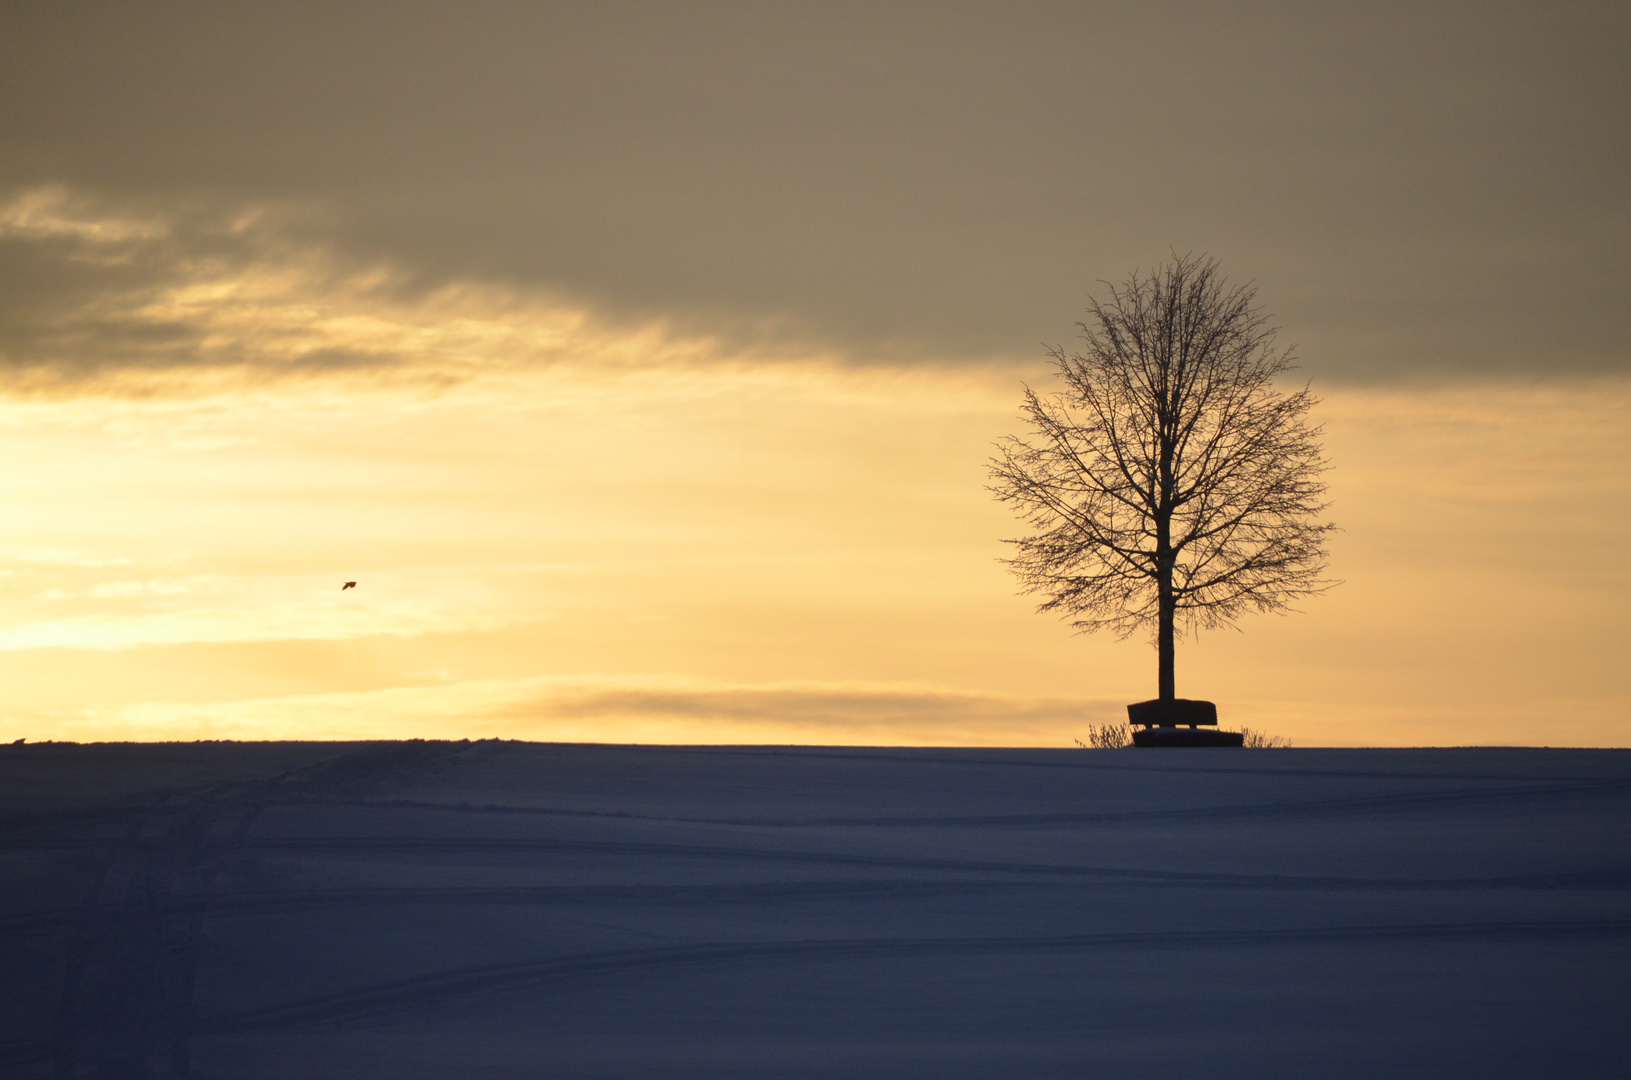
500 909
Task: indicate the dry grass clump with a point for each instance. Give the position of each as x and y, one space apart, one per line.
1106 737
1262 740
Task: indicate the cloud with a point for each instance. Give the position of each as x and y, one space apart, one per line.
223 299
224 303
46 214
124 590
598 708
279 622
1416 188
680 709
70 558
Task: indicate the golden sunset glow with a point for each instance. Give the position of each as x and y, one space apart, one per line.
568 529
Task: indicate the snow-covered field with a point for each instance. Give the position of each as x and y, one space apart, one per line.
501 909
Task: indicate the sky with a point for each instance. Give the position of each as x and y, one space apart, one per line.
641 362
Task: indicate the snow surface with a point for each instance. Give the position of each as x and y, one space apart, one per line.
501 909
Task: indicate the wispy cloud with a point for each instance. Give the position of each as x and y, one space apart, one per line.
51 213
187 586
212 299
679 709
62 557
597 708
281 622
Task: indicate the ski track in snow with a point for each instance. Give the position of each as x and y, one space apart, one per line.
316 900
1300 809
422 990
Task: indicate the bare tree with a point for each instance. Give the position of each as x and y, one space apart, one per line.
1170 482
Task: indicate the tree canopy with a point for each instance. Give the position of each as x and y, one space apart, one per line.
1170 483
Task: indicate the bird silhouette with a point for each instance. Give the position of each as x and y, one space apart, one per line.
348 585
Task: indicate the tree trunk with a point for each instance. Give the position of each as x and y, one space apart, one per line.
1163 635
1165 557
1166 606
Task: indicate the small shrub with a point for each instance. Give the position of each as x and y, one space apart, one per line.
1262 740
1106 737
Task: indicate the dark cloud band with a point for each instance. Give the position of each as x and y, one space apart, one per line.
1415 188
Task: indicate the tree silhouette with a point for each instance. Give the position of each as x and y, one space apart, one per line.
1169 482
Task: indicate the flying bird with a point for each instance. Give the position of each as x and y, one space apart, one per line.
348 585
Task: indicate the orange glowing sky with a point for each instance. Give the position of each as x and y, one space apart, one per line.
697 453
